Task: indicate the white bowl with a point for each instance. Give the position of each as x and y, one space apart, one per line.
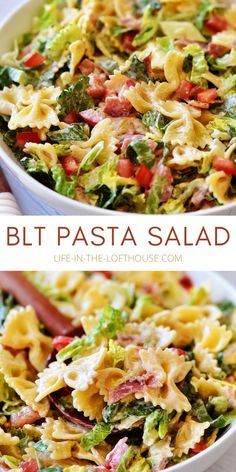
221 290
18 22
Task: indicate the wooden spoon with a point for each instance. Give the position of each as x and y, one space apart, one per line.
25 293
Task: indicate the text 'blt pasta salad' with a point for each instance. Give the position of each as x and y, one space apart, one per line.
150 380
126 105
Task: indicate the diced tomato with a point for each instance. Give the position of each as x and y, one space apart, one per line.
107 273
91 116
59 342
208 96
216 24
125 168
35 60
148 62
186 282
184 91
71 118
225 165
26 137
199 447
127 40
117 106
29 466
196 90
216 50
69 164
96 87
24 416
144 176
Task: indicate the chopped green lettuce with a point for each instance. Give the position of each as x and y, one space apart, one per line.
74 132
154 119
51 469
12 75
220 404
118 411
199 64
108 65
75 98
24 438
204 9
8 397
139 152
91 156
150 26
117 353
137 70
62 184
224 420
226 306
141 465
126 460
200 412
110 322
228 86
96 435
155 426
55 46
48 15
154 195
198 296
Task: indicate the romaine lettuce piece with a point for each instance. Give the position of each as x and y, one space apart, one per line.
150 25
220 404
154 119
228 86
96 435
199 64
117 352
139 152
62 184
74 132
12 75
140 465
137 70
205 8
75 98
48 16
155 426
154 195
126 460
110 322
91 156
140 6
224 420
55 46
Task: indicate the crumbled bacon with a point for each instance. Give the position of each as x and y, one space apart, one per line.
127 40
86 67
96 87
163 171
29 466
133 385
117 106
114 457
91 116
24 416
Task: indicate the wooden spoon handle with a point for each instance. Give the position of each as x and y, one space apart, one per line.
25 293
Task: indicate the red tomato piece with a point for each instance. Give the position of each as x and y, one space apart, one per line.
59 342
26 137
184 91
199 447
144 176
208 96
216 50
71 118
225 165
69 164
127 40
24 416
216 24
29 466
117 106
35 60
186 282
125 168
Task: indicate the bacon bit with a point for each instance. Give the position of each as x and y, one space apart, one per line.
96 87
114 457
92 117
127 139
161 466
196 104
29 466
165 172
151 144
151 289
69 164
125 168
117 106
101 468
126 339
148 63
127 40
199 196
71 118
186 282
230 395
217 50
24 416
86 67
130 83
178 351
133 385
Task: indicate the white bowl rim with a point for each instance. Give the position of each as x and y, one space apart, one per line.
51 196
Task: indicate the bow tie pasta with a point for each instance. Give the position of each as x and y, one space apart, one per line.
155 361
126 105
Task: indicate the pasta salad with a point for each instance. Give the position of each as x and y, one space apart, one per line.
126 105
149 382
